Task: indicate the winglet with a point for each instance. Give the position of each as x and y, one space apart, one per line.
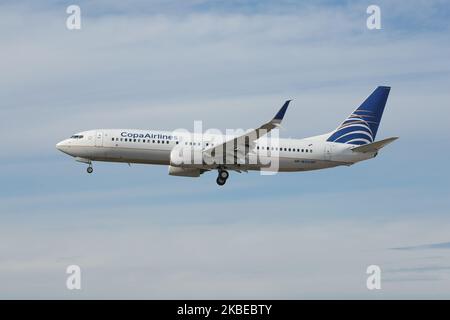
279 116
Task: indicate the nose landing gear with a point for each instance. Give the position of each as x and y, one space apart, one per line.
222 177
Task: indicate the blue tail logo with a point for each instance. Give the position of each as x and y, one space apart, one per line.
362 125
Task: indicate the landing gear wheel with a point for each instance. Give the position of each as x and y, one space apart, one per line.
223 174
220 181
89 170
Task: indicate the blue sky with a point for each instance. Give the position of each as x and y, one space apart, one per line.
138 233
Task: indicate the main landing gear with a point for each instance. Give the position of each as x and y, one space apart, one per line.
222 177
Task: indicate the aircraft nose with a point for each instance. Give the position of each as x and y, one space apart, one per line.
64 146
59 145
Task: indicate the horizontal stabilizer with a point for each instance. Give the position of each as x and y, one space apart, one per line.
374 146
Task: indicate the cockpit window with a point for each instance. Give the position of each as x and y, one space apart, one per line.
76 136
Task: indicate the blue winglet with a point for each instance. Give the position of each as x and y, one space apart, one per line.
280 114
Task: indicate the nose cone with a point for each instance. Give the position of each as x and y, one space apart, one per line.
59 145
62 146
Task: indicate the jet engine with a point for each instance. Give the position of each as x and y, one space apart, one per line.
184 172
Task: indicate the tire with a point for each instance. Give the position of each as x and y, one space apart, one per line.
223 174
220 181
89 170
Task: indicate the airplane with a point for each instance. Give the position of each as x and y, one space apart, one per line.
351 142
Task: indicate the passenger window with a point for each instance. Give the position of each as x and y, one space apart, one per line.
289 149
134 140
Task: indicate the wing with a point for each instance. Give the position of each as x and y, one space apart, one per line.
239 147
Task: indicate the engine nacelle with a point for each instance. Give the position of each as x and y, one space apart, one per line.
186 157
184 172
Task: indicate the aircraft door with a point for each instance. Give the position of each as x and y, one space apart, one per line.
99 139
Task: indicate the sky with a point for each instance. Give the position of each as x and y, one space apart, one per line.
137 233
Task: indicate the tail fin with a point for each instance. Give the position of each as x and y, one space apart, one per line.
362 125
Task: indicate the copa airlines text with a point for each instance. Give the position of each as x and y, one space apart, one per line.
192 154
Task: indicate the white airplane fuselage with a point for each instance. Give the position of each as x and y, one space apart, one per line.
190 155
118 145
